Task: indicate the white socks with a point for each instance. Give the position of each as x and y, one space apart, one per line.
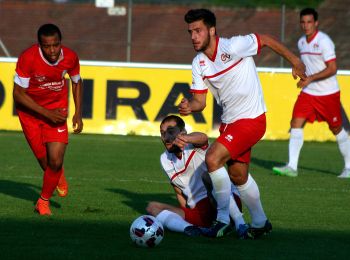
296 141
344 146
250 196
222 193
235 213
172 221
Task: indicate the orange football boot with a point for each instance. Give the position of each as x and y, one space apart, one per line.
43 207
62 187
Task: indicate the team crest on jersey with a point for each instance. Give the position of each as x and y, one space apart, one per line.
39 78
202 63
316 46
225 57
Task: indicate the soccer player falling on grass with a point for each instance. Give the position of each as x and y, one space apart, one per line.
320 95
183 162
41 96
226 67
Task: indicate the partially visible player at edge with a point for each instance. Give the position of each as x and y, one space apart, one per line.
227 68
41 96
184 164
320 95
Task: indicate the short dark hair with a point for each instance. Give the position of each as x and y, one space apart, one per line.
179 122
49 29
206 15
309 11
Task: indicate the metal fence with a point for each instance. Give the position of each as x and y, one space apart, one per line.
154 30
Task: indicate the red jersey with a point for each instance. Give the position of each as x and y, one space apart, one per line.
45 82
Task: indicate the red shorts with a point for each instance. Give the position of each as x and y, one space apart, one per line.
203 214
39 132
240 136
321 108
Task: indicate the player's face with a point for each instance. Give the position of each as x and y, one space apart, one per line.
51 47
200 35
163 128
308 25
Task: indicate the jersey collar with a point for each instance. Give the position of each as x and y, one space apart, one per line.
312 38
212 58
48 63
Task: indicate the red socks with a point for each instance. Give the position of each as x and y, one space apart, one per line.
50 182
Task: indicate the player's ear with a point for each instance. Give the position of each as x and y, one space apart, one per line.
212 31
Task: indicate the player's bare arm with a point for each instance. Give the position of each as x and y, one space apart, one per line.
329 71
77 89
196 104
298 68
180 197
196 138
56 116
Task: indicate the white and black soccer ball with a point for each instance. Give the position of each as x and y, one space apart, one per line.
146 231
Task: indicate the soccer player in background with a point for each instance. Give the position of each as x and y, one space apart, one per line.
184 163
320 95
41 97
226 67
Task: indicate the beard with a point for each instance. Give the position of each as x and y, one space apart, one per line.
174 149
205 44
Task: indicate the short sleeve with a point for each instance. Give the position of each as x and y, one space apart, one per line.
198 85
74 72
245 46
23 66
328 49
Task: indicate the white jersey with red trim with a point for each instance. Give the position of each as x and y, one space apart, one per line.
187 173
232 77
315 54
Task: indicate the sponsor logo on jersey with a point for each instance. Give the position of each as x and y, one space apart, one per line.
335 119
60 130
229 138
225 57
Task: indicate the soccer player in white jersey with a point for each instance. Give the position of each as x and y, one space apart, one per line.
320 95
226 67
184 163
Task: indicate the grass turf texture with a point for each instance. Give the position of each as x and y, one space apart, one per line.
113 177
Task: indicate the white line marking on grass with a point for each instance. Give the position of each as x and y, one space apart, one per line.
10 177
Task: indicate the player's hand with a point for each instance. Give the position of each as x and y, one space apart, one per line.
57 115
77 124
181 141
298 70
303 83
184 107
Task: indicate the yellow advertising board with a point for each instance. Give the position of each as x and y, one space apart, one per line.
132 98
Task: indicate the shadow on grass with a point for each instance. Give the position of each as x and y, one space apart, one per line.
268 165
22 190
84 239
139 201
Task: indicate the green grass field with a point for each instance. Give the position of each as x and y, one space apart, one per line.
113 177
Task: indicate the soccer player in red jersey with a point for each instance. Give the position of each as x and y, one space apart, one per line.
41 97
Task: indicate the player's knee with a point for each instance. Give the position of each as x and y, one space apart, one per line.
335 130
55 165
213 162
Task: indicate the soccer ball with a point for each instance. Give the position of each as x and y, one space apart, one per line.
146 231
